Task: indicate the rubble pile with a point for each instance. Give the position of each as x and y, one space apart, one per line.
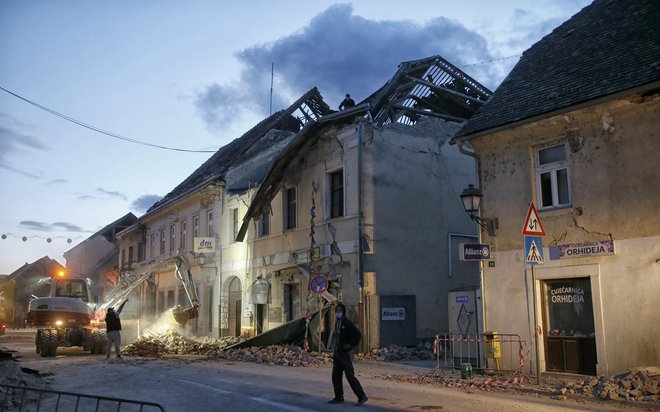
637 384
285 355
423 351
173 343
12 374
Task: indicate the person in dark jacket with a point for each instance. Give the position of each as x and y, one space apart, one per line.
346 337
113 329
347 102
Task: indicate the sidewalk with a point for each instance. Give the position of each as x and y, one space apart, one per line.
553 386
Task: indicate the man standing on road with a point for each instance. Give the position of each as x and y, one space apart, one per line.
113 329
346 337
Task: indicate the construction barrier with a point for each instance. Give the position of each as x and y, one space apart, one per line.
490 353
23 398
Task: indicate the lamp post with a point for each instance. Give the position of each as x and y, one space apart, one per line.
471 197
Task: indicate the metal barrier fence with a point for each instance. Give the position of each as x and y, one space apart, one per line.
27 399
487 352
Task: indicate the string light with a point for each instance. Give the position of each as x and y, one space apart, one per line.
25 238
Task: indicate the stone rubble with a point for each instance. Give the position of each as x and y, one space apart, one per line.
173 343
423 351
637 384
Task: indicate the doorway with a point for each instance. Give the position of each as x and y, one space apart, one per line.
235 305
568 320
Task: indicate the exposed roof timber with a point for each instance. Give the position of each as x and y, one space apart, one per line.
428 113
430 79
443 89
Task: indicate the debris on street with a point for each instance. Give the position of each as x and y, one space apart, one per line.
285 355
423 351
172 343
637 384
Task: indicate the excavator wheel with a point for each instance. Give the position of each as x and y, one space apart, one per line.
48 343
37 341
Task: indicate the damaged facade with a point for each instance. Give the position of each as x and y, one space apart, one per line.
367 198
574 128
200 218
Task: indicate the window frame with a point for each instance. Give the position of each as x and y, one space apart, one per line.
290 208
235 226
184 233
552 168
332 190
172 237
162 240
195 226
209 224
264 224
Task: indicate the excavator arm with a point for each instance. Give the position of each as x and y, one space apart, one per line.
184 275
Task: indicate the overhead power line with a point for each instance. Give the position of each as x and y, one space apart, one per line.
96 129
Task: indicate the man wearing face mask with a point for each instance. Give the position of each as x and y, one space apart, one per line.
346 337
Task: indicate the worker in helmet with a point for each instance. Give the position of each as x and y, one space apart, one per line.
113 329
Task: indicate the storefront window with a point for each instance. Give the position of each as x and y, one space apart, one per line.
569 311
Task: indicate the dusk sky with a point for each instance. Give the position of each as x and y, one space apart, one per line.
195 75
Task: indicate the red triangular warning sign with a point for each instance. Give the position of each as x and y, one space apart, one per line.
533 226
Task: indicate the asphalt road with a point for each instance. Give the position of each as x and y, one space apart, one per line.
190 383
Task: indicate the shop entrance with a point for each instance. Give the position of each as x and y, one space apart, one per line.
568 318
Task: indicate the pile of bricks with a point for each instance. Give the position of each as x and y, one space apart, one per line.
173 343
638 384
423 351
285 355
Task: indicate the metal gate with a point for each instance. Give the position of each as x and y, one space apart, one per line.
27 399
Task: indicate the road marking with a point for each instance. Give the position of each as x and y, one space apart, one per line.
278 405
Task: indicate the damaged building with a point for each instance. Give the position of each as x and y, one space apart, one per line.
574 129
368 198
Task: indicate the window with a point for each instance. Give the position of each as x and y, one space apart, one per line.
290 216
552 177
184 233
195 226
152 249
337 194
264 224
209 223
234 217
130 255
172 237
162 241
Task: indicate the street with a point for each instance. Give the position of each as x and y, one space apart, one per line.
193 383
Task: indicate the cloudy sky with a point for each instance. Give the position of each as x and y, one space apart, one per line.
107 106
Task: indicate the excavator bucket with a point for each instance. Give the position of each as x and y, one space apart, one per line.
181 316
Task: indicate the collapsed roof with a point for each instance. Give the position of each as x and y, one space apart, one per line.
308 107
427 87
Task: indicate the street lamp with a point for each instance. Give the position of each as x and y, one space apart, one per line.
201 258
471 198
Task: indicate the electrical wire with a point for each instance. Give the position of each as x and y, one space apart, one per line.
96 129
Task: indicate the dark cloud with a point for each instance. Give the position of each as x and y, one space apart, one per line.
142 203
69 227
111 194
13 140
48 227
339 53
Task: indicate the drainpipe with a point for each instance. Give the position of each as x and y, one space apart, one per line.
359 216
473 154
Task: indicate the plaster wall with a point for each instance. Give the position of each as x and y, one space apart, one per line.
413 179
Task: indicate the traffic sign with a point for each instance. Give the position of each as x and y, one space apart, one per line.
533 250
533 226
318 284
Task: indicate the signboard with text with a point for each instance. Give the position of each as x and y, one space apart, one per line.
582 250
204 244
393 313
475 251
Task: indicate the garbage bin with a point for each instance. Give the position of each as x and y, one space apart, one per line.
492 349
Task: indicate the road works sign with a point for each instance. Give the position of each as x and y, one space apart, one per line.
533 250
533 226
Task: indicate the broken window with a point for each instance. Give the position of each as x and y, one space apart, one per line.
552 177
291 209
264 224
337 194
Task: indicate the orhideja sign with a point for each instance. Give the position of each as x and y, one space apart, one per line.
581 250
567 294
